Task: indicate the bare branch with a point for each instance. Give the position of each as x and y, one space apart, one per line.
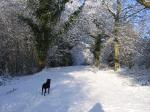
132 14
108 8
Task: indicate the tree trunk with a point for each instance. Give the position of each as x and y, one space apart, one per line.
116 45
97 50
41 64
97 59
116 57
42 46
116 33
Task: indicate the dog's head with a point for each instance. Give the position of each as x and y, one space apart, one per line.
48 80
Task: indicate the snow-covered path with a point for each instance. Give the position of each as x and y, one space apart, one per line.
75 89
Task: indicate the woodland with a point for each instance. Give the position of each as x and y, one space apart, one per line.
35 34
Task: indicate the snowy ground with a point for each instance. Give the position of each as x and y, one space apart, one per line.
75 89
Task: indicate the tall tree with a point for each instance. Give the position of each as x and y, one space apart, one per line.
46 13
117 23
120 15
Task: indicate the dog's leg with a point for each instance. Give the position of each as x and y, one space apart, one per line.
44 91
48 90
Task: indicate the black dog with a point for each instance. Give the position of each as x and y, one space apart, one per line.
46 86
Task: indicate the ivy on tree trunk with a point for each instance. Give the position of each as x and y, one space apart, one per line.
46 12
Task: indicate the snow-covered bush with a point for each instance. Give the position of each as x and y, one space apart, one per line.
142 59
4 78
17 54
